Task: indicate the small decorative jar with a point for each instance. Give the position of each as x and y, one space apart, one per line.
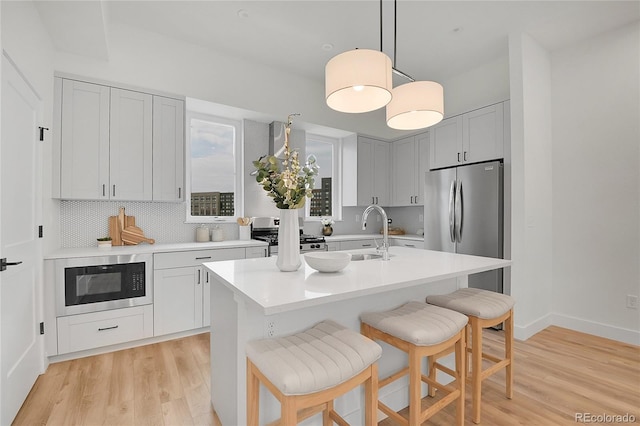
327 230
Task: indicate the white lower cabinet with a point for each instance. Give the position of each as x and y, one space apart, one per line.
88 331
333 246
181 288
358 244
178 300
253 252
401 242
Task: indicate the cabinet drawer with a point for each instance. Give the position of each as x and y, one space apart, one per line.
410 244
357 244
87 331
252 252
182 259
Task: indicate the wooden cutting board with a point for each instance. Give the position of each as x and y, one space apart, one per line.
134 235
117 224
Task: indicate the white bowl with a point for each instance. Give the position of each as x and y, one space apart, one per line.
328 261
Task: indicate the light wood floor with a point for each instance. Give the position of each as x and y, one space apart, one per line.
558 373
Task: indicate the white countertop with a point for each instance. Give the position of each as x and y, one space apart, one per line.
260 282
150 248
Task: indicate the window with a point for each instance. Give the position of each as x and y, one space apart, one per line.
214 163
327 198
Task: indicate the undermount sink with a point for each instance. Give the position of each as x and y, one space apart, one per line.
365 256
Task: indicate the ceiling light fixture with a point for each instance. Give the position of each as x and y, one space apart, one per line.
417 104
359 80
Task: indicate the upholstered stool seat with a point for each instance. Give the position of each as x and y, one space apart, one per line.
421 330
484 309
306 371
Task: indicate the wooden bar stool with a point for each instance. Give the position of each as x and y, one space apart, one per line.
308 370
484 309
421 330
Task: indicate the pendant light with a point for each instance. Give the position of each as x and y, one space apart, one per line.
359 80
414 105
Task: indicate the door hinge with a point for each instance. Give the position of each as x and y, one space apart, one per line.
41 328
40 231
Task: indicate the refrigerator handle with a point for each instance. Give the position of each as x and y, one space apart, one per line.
459 211
452 219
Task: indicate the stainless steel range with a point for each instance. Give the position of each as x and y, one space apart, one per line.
266 229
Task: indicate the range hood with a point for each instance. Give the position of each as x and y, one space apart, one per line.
276 138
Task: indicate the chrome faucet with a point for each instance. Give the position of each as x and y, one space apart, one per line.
385 228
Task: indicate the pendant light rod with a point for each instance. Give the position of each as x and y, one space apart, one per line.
395 40
394 59
402 74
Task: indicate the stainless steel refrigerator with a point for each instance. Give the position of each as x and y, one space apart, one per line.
463 213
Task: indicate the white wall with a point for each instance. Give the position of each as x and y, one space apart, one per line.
485 85
531 174
596 191
575 154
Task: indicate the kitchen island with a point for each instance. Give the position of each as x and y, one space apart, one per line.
252 299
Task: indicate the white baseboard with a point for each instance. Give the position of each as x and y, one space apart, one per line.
523 332
597 329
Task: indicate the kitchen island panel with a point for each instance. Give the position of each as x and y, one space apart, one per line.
252 299
235 321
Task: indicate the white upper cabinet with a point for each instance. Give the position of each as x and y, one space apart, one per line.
468 138
117 144
483 134
410 161
168 149
373 172
84 153
131 145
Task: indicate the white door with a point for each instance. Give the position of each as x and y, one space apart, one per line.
20 342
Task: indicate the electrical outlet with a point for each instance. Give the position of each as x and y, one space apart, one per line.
632 301
358 218
420 218
271 328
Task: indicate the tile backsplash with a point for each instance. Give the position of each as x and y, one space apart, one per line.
81 222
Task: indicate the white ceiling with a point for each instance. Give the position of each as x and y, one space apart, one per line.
435 39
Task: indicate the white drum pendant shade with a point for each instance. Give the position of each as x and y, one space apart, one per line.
358 81
416 105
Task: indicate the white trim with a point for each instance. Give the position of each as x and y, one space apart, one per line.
607 331
524 332
101 82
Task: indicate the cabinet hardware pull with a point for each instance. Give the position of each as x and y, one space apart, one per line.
114 190
204 257
415 199
199 273
103 189
410 245
458 157
179 193
108 328
367 245
373 200
464 156
207 277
